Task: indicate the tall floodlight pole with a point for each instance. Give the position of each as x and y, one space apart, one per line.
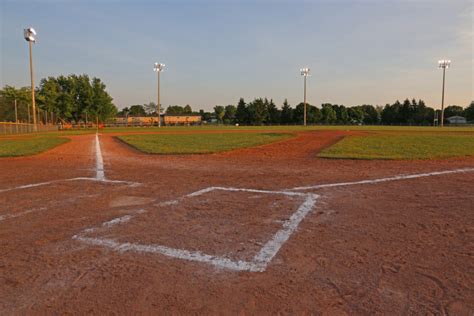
444 64
30 37
305 74
158 68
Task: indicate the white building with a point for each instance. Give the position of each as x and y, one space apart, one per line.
456 120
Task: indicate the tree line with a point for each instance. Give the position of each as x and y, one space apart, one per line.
70 98
262 111
76 98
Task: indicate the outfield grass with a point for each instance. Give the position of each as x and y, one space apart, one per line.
199 143
283 128
28 145
402 146
21 145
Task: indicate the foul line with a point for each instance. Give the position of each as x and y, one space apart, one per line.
100 174
395 178
99 177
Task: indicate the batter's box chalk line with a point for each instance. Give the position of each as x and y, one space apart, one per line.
259 262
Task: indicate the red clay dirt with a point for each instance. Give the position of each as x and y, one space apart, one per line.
400 247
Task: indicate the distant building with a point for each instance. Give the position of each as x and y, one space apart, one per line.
153 120
456 120
182 119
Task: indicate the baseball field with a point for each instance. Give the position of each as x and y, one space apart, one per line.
256 220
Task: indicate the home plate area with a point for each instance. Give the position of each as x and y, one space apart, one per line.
230 228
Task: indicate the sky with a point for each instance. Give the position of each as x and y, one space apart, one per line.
359 51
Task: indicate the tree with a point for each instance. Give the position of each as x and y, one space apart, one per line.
229 113
137 110
102 105
328 114
73 97
273 116
206 116
313 114
341 114
390 114
220 112
371 115
241 114
286 113
356 115
187 109
453 110
8 95
151 108
257 112
175 110
469 112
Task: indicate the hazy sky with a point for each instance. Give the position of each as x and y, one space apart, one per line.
371 52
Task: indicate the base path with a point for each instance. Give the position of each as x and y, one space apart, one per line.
388 237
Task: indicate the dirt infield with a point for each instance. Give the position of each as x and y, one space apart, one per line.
252 231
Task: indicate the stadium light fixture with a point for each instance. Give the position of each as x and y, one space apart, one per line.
305 72
30 37
443 64
158 67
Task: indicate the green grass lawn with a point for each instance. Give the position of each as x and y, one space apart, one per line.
278 128
199 143
402 146
28 145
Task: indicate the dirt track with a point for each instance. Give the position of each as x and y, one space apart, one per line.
399 247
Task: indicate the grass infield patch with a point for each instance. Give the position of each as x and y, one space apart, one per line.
28 145
199 143
401 147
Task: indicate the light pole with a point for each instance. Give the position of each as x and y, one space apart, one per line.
443 64
305 74
158 68
30 37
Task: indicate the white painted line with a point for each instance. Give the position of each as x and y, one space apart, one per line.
116 221
272 247
100 174
8 216
170 252
259 262
27 186
395 178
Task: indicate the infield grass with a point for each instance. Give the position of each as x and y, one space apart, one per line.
199 143
28 145
402 146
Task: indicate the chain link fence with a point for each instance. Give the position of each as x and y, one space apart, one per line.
10 128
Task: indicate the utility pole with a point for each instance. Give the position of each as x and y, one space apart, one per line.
16 116
29 35
305 73
158 67
443 64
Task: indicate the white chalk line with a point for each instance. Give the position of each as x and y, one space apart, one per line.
258 264
394 178
8 216
34 185
210 189
100 172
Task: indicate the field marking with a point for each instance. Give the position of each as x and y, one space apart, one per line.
271 248
258 264
8 216
394 178
100 172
